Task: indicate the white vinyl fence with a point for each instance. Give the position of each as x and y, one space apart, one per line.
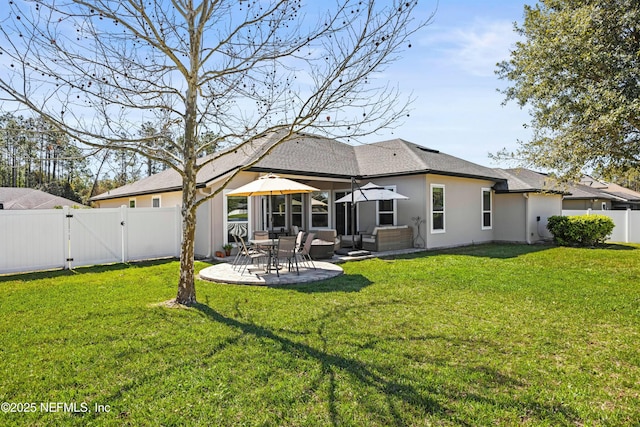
627 223
32 240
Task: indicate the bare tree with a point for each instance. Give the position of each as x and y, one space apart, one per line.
231 69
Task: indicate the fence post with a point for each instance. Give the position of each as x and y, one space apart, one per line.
66 238
627 225
124 235
589 211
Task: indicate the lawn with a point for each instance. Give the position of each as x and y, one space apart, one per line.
485 335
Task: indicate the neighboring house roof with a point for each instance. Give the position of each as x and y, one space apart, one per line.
591 188
624 193
313 155
29 198
579 192
521 180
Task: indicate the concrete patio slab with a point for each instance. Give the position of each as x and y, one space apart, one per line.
226 273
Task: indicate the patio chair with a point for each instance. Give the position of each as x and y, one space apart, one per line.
260 235
287 251
239 253
249 255
304 254
299 237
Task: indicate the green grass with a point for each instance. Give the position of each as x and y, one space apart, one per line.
485 335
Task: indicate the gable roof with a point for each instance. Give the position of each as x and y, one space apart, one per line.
319 156
30 198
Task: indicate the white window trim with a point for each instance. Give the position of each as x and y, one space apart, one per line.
329 210
225 222
135 203
159 201
444 209
395 207
265 208
290 212
483 211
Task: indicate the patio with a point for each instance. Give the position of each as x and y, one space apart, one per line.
223 272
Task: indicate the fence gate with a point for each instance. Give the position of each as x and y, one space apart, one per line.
95 236
33 240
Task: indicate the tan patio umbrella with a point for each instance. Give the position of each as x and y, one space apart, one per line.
269 185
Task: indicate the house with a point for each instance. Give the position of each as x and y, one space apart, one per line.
452 202
594 194
524 201
29 198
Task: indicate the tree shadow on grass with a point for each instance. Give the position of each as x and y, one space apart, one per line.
342 283
618 247
329 363
397 388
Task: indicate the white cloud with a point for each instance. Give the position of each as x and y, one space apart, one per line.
475 49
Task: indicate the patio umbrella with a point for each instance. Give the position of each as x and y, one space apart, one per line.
368 192
270 185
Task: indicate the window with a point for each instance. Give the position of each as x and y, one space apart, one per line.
155 202
237 217
320 209
437 208
386 210
132 203
296 210
486 209
343 214
275 209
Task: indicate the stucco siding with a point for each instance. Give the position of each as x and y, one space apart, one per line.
510 217
463 212
415 188
168 199
541 207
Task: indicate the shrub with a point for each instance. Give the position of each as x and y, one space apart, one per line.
581 230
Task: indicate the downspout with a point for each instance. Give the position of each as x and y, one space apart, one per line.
527 230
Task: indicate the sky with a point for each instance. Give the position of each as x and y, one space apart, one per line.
450 71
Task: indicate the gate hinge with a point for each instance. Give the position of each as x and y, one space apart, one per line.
69 259
69 215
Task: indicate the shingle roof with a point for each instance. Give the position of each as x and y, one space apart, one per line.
521 180
398 157
622 192
170 180
314 155
311 154
29 198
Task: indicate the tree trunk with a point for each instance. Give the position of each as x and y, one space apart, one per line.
186 285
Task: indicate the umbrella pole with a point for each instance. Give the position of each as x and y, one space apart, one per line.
353 216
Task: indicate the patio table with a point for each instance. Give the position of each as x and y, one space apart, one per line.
270 245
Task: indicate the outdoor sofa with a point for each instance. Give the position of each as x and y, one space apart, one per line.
388 238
